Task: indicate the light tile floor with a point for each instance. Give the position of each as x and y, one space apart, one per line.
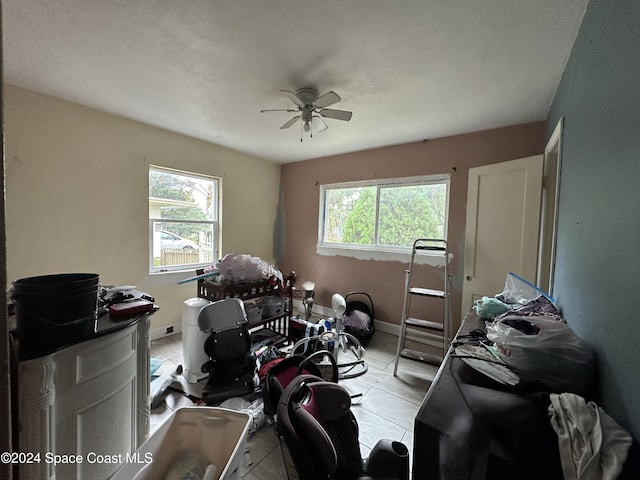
386 409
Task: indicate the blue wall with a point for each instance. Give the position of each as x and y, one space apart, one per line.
597 275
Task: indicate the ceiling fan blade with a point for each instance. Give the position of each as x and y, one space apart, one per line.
337 114
318 124
290 122
293 97
279 110
327 99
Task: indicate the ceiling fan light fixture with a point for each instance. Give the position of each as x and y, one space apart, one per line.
318 124
311 108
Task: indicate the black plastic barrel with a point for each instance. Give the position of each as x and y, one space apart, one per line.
58 283
54 310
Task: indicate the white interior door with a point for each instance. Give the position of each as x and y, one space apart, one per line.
503 218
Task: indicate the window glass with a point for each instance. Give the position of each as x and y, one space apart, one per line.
410 212
350 215
184 210
384 214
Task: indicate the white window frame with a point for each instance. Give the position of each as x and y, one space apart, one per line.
376 252
216 223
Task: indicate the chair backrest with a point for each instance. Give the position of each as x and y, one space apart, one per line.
315 420
229 342
222 315
284 370
230 348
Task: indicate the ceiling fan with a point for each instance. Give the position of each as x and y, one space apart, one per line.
312 108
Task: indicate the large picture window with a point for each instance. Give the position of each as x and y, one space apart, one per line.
383 215
184 213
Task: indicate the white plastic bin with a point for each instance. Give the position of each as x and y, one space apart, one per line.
193 340
218 434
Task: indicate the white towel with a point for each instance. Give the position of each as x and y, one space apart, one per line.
592 445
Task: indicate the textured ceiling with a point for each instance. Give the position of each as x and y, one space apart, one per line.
408 69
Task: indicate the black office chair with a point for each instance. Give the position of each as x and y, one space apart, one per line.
321 433
232 366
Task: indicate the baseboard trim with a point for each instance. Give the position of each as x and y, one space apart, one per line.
165 331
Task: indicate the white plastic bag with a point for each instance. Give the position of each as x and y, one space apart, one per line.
254 409
518 290
244 268
545 349
188 465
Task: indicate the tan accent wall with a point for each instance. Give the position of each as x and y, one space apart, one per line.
384 280
77 195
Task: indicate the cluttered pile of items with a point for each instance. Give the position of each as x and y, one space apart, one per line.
527 345
231 370
222 353
57 310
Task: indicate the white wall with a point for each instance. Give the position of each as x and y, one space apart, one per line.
77 195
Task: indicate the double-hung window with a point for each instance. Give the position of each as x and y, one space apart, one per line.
377 217
184 220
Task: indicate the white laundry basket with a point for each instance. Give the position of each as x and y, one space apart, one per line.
218 434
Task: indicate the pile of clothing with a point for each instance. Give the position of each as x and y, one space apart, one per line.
537 344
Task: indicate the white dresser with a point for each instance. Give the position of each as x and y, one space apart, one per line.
88 401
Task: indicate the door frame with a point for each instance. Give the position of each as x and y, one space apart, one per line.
549 209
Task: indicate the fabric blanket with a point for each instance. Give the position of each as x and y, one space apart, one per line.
592 445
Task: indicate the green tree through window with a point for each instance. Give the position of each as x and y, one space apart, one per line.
407 213
359 226
390 214
169 186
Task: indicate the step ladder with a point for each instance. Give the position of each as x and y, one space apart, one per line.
409 325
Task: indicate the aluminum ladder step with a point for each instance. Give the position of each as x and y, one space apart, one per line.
423 357
427 292
426 324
